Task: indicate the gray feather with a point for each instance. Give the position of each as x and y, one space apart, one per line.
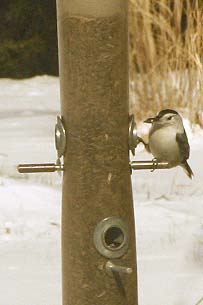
184 148
183 145
187 169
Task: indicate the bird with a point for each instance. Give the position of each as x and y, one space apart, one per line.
168 140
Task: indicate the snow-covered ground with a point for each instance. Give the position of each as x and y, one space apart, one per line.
29 204
169 223
168 207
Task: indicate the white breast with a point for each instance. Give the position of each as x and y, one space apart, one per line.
163 145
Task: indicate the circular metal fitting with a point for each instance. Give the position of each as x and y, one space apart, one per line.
60 137
111 237
133 138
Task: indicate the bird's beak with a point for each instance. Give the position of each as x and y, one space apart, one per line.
150 120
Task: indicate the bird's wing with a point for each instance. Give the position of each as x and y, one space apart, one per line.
183 145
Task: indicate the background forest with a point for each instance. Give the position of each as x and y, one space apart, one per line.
28 39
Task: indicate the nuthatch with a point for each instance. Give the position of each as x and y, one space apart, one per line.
168 140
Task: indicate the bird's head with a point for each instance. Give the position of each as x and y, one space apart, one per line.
165 117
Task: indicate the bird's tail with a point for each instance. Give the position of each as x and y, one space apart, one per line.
187 169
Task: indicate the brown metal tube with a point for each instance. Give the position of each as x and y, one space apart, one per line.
141 165
93 56
39 168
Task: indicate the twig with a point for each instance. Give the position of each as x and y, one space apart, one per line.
199 302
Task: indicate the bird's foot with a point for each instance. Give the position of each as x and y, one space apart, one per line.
140 140
155 164
146 145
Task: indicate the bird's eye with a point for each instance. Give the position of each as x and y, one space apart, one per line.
169 118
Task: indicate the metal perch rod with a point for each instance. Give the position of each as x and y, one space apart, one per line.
39 168
152 164
52 167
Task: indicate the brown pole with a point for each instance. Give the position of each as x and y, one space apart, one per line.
98 240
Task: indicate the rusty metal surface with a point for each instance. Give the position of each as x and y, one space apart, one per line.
93 56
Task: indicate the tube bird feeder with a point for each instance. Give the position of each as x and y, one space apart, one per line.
98 240
93 138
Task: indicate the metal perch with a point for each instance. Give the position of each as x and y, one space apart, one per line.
152 164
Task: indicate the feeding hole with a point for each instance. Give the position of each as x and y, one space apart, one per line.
114 238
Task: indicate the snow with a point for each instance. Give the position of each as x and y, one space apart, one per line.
169 223
30 269
168 208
